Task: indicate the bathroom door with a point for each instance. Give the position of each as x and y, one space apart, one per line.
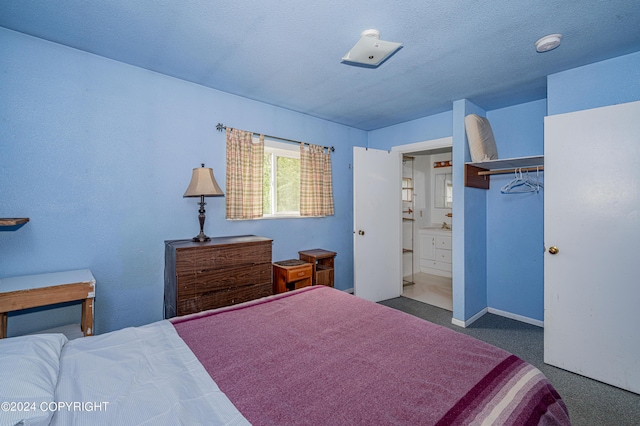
377 206
592 217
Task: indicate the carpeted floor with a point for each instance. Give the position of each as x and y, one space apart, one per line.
590 403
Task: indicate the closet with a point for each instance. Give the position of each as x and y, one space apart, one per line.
477 175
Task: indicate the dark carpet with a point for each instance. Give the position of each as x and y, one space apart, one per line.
590 403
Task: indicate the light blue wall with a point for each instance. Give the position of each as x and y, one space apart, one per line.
98 154
423 129
610 82
469 225
515 222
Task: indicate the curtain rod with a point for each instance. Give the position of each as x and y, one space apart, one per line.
220 127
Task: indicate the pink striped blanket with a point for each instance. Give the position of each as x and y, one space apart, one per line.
318 356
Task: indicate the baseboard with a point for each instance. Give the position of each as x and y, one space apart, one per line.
349 290
467 323
517 317
521 318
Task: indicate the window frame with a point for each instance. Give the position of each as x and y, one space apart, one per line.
286 150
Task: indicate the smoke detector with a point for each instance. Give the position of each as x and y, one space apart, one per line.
548 42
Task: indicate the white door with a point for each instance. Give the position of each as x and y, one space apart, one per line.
377 207
592 217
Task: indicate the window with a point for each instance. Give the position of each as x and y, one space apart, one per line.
287 182
281 179
407 189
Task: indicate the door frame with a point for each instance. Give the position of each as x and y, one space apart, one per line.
427 145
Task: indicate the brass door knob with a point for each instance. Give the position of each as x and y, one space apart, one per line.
553 250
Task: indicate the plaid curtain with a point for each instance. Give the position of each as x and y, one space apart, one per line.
244 175
316 184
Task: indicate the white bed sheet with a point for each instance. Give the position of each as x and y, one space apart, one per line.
137 376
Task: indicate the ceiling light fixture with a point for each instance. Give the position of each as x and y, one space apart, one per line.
370 50
548 42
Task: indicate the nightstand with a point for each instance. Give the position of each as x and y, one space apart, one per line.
291 275
322 261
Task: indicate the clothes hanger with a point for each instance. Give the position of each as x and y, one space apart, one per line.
520 184
539 186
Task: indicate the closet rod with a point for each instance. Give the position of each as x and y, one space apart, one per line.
220 127
503 171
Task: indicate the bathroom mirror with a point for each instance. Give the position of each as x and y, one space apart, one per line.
444 191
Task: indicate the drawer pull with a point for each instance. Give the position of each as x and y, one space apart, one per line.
300 274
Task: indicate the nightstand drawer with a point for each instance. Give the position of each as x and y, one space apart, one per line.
291 275
299 272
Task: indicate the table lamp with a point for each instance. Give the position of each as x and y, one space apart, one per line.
202 184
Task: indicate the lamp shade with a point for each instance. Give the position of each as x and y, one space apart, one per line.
203 184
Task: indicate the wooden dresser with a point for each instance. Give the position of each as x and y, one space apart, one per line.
220 272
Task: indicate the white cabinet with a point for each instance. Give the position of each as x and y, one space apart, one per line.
435 251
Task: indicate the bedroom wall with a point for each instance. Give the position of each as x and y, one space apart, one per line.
98 153
423 129
609 82
469 236
515 222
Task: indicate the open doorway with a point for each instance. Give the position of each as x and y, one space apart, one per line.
426 222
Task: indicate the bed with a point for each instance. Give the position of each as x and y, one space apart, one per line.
314 356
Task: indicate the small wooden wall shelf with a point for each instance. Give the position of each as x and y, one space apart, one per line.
476 175
13 221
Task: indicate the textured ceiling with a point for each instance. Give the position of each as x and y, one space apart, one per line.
287 53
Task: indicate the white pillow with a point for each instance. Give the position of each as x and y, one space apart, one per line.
29 368
482 145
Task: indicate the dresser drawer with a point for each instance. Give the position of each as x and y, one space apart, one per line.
192 260
191 285
218 299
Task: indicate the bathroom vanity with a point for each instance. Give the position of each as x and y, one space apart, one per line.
435 251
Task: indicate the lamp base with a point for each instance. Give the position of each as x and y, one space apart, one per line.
200 238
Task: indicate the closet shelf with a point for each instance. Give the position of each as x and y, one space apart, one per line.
12 221
476 175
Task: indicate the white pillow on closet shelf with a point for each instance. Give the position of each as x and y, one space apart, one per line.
482 144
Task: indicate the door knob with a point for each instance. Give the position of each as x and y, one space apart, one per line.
553 250
361 232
